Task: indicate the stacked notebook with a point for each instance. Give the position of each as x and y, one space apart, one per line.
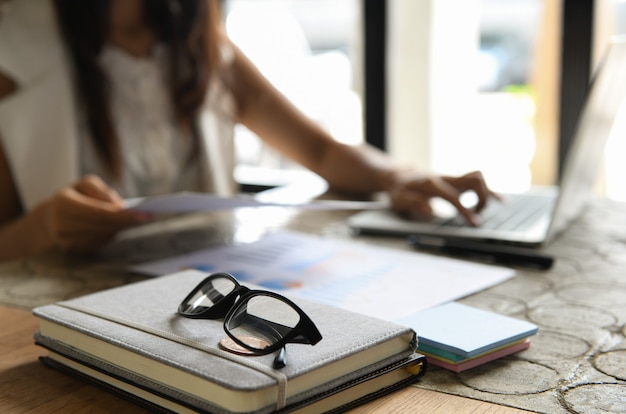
458 337
131 340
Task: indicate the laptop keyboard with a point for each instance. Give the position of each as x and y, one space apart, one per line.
516 212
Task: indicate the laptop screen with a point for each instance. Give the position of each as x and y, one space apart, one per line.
606 99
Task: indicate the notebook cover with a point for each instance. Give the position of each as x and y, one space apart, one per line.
118 317
339 399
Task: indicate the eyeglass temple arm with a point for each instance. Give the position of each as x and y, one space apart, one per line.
280 361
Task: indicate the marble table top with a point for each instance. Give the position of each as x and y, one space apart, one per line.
576 363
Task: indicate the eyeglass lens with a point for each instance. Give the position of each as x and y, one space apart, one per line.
210 294
262 316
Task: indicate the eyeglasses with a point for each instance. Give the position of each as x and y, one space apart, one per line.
259 321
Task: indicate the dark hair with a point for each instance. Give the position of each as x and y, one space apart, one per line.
189 28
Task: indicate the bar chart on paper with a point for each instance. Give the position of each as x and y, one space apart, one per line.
383 282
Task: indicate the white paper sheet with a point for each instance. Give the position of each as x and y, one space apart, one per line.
387 283
188 202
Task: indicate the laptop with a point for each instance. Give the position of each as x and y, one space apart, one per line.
534 218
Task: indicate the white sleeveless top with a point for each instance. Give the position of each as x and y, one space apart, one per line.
154 154
40 128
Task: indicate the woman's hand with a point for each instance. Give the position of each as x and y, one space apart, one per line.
411 193
85 216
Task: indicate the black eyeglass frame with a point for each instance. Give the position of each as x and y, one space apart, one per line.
305 331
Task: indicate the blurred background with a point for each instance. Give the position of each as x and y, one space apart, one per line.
470 84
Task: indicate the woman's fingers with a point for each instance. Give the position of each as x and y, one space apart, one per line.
93 186
87 215
413 195
475 182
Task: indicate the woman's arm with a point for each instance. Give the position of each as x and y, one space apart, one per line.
362 168
282 126
80 217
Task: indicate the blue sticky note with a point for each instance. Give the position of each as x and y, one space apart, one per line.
466 331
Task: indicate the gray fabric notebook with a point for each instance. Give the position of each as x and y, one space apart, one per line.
134 333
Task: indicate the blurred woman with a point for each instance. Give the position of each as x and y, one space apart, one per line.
106 99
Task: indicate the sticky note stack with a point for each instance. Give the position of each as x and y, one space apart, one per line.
458 337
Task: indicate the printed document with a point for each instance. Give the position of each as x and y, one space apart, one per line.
383 282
